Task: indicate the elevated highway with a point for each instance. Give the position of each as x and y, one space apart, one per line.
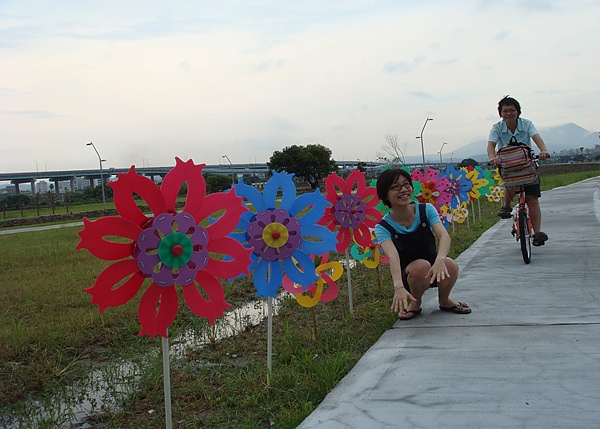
258 169
94 174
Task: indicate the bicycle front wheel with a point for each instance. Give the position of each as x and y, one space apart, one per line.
525 236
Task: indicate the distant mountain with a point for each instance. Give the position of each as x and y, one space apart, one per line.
563 137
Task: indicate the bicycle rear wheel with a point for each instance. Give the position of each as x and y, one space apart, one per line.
525 236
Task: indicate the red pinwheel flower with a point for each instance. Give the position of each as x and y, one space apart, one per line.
167 247
351 213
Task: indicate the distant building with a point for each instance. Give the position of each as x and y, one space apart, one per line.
41 187
11 189
80 184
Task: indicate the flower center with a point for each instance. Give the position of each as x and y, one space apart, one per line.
175 249
274 234
349 211
426 194
172 249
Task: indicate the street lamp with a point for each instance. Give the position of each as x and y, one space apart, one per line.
421 137
231 165
441 153
100 160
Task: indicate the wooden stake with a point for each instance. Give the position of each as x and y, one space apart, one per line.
349 281
167 383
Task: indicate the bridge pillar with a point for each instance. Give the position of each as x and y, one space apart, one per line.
33 187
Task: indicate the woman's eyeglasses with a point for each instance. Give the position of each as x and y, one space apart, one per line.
399 186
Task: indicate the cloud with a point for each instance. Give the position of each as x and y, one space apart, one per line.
502 35
199 79
35 114
421 94
404 66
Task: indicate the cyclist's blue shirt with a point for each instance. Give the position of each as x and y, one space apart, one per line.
501 135
383 234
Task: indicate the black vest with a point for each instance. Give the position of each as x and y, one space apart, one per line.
419 244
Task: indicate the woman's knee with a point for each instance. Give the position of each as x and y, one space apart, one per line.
452 267
418 268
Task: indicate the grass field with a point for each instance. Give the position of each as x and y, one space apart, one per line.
52 336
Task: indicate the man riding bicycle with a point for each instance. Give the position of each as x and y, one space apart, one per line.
513 126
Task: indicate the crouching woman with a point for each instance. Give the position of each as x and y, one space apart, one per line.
406 237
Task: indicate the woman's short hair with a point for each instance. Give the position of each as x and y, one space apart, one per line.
385 181
509 101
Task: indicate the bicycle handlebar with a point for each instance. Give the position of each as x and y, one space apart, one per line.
535 158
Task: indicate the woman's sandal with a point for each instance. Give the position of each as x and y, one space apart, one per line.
460 308
410 314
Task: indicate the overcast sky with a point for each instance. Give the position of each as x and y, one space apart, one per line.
150 80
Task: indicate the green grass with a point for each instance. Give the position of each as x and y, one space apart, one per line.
30 212
556 180
51 336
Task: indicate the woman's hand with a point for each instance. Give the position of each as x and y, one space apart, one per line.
544 155
402 299
438 271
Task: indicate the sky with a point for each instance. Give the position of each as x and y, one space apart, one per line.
148 81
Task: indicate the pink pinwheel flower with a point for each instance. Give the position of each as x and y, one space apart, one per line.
351 213
167 247
433 187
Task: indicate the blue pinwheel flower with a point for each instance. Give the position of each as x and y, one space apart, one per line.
459 186
284 235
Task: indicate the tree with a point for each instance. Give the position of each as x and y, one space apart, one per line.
361 166
217 183
311 163
251 179
392 148
468 162
13 202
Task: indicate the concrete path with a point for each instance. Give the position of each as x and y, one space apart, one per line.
38 228
527 357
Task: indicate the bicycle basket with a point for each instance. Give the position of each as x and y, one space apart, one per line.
516 166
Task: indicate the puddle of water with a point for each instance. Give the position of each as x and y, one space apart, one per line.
105 389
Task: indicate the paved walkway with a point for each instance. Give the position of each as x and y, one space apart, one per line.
38 228
527 357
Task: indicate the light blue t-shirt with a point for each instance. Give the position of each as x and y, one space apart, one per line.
501 135
383 234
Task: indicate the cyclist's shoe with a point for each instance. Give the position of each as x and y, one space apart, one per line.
504 213
539 239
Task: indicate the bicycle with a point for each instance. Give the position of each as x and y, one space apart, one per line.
522 229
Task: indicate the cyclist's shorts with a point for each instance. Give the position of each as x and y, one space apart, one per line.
533 190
